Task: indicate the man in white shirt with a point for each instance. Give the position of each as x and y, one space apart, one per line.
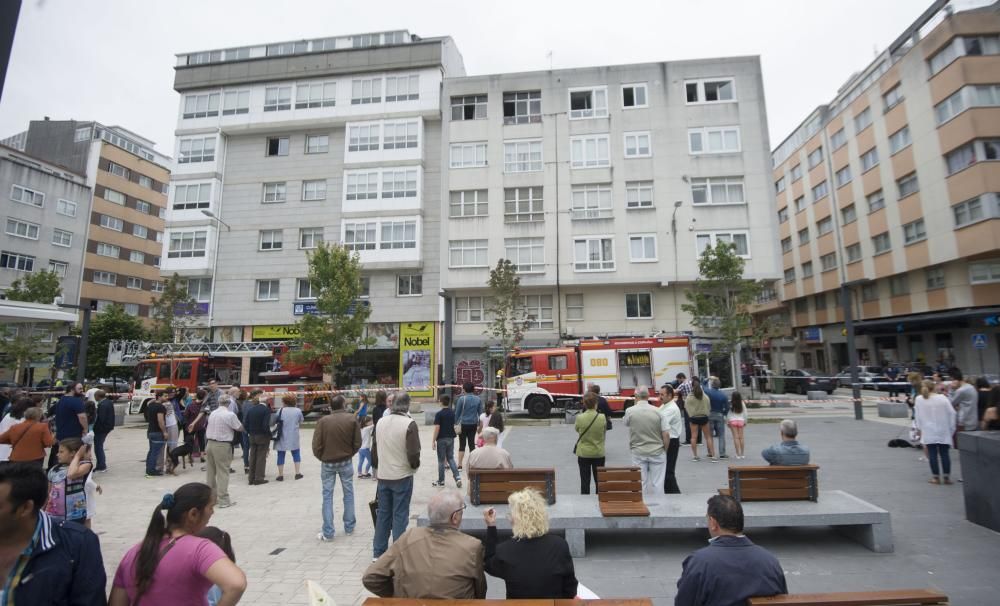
222 423
675 421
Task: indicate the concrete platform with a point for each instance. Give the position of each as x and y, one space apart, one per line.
893 410
576 514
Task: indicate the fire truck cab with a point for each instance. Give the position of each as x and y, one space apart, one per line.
155 374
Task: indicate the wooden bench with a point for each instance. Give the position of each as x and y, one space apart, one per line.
895 597
493 486
773 483
545 602
619 492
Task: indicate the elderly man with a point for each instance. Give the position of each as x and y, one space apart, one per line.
396 457
788 451
222 426
336 440
648 440
437 562
490 456
212 397
731 569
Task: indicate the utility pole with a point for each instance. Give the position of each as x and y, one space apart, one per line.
847 302
81 355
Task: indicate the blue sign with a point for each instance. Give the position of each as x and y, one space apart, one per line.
992 320
703 347
301 309
813 334
192 309
979 340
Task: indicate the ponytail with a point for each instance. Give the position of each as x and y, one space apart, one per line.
696 389
927 389
736 402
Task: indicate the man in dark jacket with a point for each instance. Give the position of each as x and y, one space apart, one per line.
103 425
336 440
42 561
731 569
257 423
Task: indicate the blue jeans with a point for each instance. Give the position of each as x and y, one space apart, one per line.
328 476
446 452
296 456
99 439
717 421
365 454
245 445
393 511
935 450
156 443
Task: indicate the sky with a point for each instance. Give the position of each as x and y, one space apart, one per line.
112 60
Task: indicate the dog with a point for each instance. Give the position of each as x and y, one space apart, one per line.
182 455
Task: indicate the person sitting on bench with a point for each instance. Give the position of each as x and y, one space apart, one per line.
788 451
731 569
490 456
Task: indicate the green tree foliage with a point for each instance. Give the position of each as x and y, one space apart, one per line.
111 324
19 345
508 320
36 287
172 310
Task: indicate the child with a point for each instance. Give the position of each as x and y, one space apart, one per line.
67 482
497 422
220 538
737 419
484 422
365 454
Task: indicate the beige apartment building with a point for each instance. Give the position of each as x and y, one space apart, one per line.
892 190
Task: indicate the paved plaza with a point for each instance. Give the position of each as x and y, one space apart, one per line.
274 526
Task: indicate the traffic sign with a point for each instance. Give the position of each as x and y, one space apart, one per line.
979 340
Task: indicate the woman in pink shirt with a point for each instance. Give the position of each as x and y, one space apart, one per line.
172 565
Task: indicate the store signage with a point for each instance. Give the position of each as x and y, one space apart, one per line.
275 332
993 320
979 340
813 334
416 358
301 309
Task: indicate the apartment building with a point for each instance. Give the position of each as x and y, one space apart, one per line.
603 185
124 217
892 190
282 146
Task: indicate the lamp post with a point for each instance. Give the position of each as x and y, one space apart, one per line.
81 355
211 215
846 301
673 232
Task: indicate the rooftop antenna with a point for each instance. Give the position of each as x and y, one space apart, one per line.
549 55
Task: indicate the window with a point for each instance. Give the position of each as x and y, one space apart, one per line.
398 234
156 260
908 185
523 204
113 196
803 236
156 286
968 212
467 155
869 292
409 285
824 226
882 243
310 237
401 134
402 88
315 94
710 91
538 309
779 185
527 254
467 253
970 153
789 275
717 190
869 160
366 90
362 186
199 149
65 207
137 256
875 201
934 277
192 197
105 277
304 290
820 191
22 229
592 201
469 309
899 285
81 134
843 176
133 283
201 106
979 273
574 307
274 192
314 190
714 140
642 248
800 204
522 107
589 151
738 240
108 250
815 157
634 95
796 173
268 290
961 46
594 254
522 156
899 140
863 120
17 261
469 203
807 269
363 137
185 244
848 214
980 95
400 183
277 98
588 103
783 215
317 144
235 102
892 98
118 170
828 262
140 231
468 107
853 253
819 301
838 139
786 245
277 146
271 239
639 194
914 232
637 145
360 236
61 237
112 223
59 268
638 305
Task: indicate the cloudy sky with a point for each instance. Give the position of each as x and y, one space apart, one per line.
112 60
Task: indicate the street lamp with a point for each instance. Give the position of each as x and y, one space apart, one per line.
211 215
673 232
852 352
81 355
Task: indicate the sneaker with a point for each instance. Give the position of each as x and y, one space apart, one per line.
105 470
226 505
695 459
153 474
322 538
279 479
298 476
203 468
349 532
458 483
231 470
715 459
723 456
437 484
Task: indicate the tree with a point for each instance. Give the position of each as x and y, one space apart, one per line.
719 302
508 320
111 324
37 287
172 310
20 345
337 328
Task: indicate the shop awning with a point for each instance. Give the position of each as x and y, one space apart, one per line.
14 312
954 318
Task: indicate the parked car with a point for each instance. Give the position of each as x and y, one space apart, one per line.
867 379
9 384
112 385
801 380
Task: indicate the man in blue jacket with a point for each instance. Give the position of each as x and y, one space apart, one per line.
468 407
731 569
43 561
719 404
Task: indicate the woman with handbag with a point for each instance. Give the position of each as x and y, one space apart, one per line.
286 435
589 449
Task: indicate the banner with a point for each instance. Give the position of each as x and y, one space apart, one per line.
275 332
416 357
386 335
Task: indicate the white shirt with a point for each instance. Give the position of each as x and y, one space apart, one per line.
675 421
7 422
935 419
366 436
484 421
221 425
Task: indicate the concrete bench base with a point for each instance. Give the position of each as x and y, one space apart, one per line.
893 410
575 514
817 395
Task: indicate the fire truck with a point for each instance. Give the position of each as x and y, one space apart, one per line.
539 380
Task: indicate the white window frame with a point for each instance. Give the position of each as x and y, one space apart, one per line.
277 98
538 311
141 231
838 139
984 272
235 102
188 244
310 237
869 159
470 310
522 99
592 201
59 268
934 278
106 278
365 136
399 182
478 104
814 158
62 237
461 202
974 210
828 262
270 240
522 156
468 155
877 243
636 86
112 223
361 96
634 195
395 85
397 234
361 185
313 190
66 207
309 296
275 192
878 197
368 230
796 172
853 252
645 240
534 248
843 176
716 236
635 148
605 248
701 94
848 214
914 231
200 289
193 150
892 98
824 226
581 148
118 170
310 95
707 188
899 285
182 196
535 204
200 105
133 283
284 145
899 140
786 245
906 180
574 307
317 144
704 136
638 296
478 248
598 103
820 191
272 292
19 228
807 270
401 134
789 275
804 235
17 261
114 196
863 120
137 256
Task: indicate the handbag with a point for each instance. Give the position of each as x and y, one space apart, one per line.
280 425
580 437
373 506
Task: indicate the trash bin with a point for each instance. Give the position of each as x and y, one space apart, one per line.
777 385
120 414
571 416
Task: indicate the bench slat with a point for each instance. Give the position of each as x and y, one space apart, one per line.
774 483
618 474
899 597
508 475
776 475
624 509
619 497
798 494
511 486
630 486
754 468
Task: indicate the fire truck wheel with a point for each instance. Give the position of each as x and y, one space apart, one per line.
539 407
